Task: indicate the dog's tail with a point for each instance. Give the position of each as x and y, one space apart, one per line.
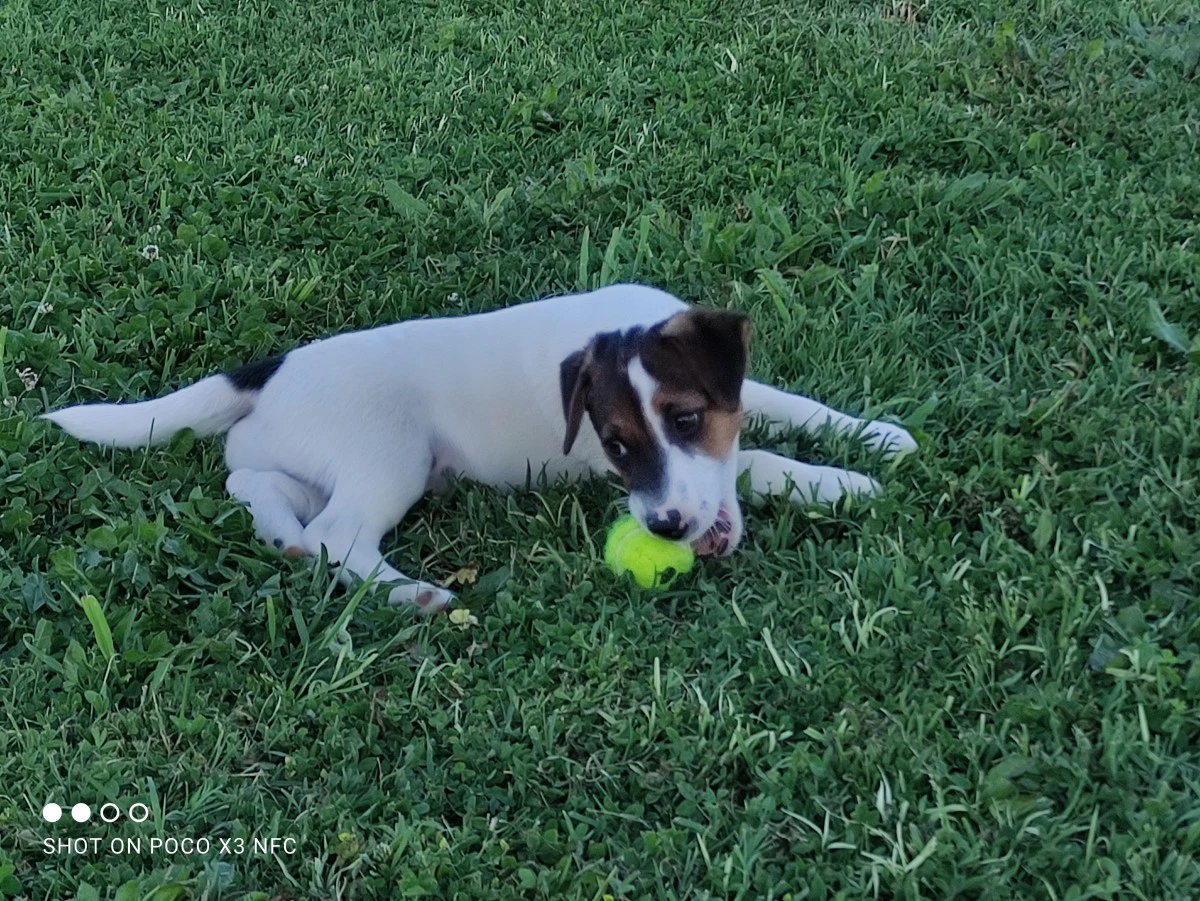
209 407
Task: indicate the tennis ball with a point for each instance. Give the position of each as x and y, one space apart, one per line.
652 561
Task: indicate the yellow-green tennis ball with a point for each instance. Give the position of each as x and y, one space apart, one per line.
652 561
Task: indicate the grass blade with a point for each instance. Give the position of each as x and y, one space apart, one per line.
583 259
95 615
1164 330
403 203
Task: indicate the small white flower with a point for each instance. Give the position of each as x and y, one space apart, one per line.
324 87
453 298
150 251
28 378
45 307
300 160
154 230
366 89
10 401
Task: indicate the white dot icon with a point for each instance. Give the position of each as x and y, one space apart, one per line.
51 813
81 813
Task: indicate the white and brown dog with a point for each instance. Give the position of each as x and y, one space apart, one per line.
332 443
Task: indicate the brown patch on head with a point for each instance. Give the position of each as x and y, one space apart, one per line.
702 350
718 428
698 358
666 400
721 430
619 417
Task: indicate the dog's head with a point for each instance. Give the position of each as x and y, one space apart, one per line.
666 404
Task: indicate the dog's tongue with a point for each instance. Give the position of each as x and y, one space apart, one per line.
715 542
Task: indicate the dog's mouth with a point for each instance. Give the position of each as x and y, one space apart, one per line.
715 542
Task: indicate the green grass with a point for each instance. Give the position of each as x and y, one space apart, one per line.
984 685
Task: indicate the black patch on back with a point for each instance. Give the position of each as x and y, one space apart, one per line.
253 376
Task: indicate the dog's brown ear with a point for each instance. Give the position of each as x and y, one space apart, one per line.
710 348
574 378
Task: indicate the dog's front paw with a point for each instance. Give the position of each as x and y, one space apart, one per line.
428 599
859 485
891 439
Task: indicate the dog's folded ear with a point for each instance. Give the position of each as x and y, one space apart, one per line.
705 347
574 378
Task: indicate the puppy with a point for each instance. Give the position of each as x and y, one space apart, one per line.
329 445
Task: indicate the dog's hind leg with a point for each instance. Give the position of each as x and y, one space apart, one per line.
280 505
353 523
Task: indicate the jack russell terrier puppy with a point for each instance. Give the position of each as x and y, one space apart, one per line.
330 444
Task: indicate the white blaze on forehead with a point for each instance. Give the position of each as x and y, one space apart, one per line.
645 387
695 485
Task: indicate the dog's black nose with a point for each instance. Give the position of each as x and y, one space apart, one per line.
672 527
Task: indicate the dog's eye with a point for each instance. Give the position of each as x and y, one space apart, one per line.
686 425
615 449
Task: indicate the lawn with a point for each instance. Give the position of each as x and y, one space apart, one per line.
960 215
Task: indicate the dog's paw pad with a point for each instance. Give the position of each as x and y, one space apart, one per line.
434 600
428 599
